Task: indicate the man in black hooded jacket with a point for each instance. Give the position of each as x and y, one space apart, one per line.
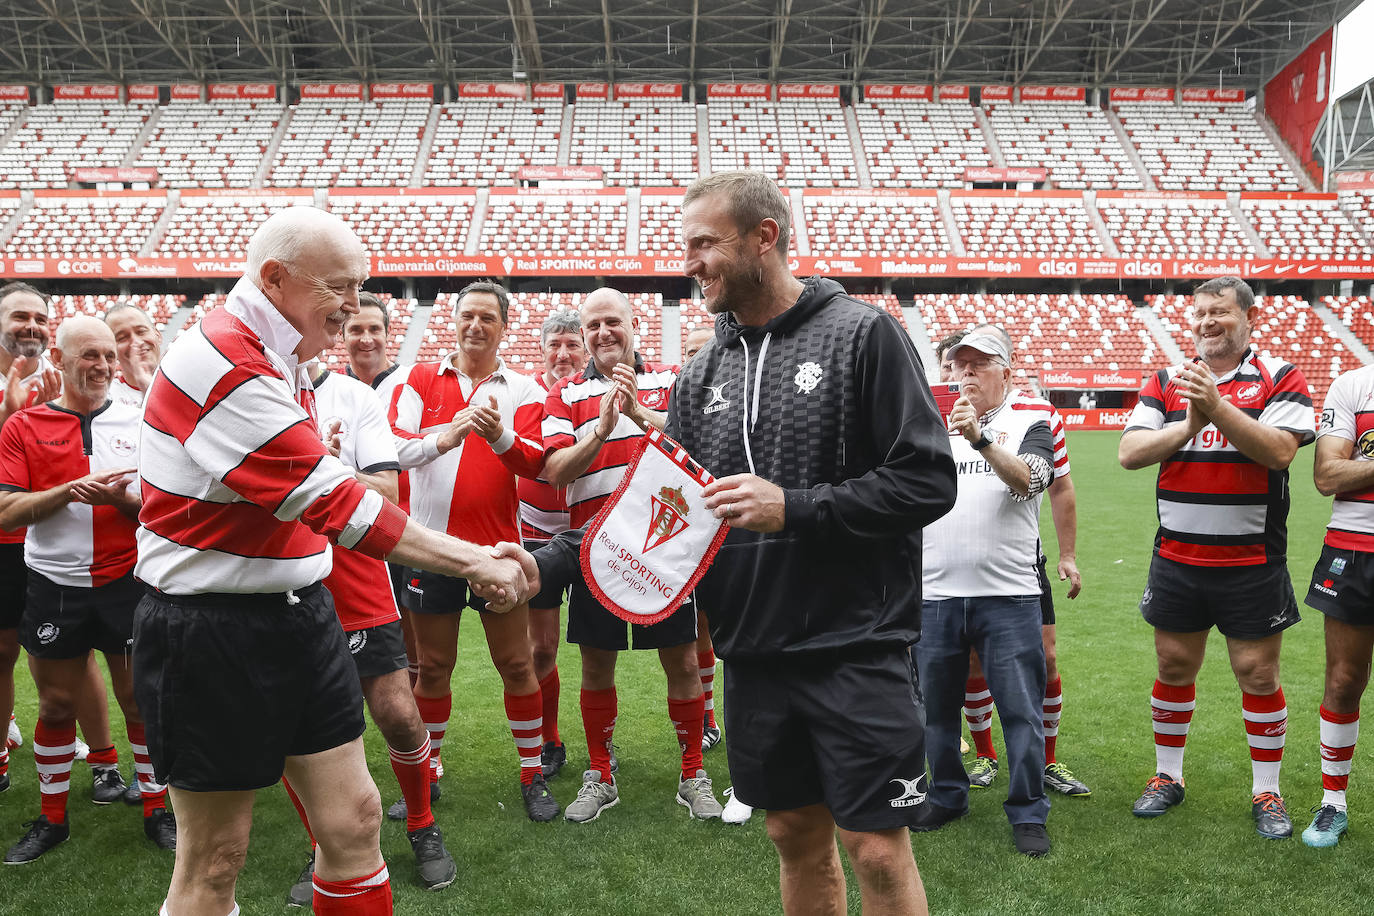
813 411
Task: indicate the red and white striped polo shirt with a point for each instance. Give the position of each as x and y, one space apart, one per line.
1348 413
543 507
359 583
47 446
239 494
468 492
571 412
1216 506
1061 446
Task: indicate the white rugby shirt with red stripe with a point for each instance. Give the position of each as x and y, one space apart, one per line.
47 446
543 507
1216 506
239 493
468 492
1349 413
571 412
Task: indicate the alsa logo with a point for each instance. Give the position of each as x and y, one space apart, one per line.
669 518
911 793
1143 269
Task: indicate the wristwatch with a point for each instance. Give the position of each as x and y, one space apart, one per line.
983 441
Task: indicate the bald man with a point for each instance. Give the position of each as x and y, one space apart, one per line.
66 472
592 421
241 502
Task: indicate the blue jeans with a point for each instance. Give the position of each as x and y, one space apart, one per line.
1006 633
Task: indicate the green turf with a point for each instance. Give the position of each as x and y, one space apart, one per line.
645 856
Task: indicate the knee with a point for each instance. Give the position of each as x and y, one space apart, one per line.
1051 663
56 705
516 670
545 654
800 842
1345 685
1175 668
355 822
218 866
1260 678
878 861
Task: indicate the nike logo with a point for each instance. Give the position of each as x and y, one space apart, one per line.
1308 269
1284 269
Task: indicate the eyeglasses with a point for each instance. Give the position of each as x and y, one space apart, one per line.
977 365
335 287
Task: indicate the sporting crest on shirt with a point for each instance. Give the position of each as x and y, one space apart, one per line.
668 518
1366 444
652 398
122 445
1248 393
808 377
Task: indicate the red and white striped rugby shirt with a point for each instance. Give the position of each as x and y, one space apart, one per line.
1216 506
32 380
1056 422
1348 412
543 507
46 446
239 494
571 412
468 492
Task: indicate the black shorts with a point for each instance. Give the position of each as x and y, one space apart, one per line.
843 731
433 593
378 650
552 592
1343 585
14 585
396 572
231 685
1046 596
68 621
591 625
1244 602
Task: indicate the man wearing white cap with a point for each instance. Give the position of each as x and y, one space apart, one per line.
980 588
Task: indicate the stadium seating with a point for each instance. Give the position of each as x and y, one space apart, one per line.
660 223
1005 227
85 227
527 224
1356 313
909 227
58 137
1205 148
1074 142
920 144
210 145
417 226
214 227
159 307
802 143
637 143
365 144
1306 230
1050 331
1173 228
1287 329
1358 204
482 143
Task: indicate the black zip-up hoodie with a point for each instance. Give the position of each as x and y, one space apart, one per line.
828 401
839 414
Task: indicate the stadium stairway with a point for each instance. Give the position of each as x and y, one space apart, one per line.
956 240
415 334
1338 329
703 141
144 135
1285 151
417 174
479 216
916 329
16 218
994 148
1131 152
164 219
269 155
1161 334
856 143
1099 225
1233 204
565 137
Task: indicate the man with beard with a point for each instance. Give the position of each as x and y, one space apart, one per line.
593 420
28 378
468 427
236 636
65 473
544 513
1223 428
140 349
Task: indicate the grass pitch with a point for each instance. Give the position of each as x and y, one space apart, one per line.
646 856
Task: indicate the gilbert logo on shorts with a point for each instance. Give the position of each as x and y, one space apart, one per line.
911 793
669 518
47 633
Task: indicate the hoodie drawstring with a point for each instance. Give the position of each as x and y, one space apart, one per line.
747 422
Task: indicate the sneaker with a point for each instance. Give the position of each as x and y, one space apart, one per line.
982 773
1161 793
15 738
107 786
437 868
736 811
552 758
133 795
1061 779
540 804
710 734
161 828
42 836
1031 839
303 891
594 797
696 796
399 812
1271 817
1326 828
83 750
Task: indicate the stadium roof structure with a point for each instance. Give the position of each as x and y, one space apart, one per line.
1226 43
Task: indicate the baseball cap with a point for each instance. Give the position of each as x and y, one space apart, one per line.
990 344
